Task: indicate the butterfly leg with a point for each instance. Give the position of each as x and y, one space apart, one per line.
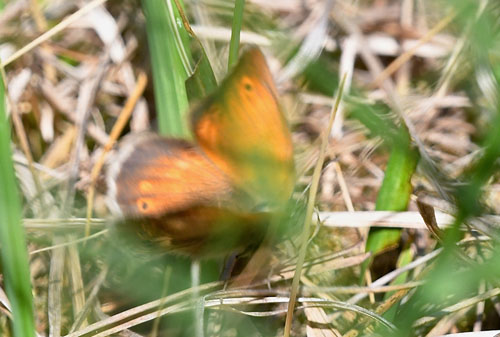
228 268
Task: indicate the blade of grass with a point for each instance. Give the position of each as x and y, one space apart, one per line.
202 80
394 194
171 65
469 195
404 259
180 32
12 241
448 278
234 44
310 207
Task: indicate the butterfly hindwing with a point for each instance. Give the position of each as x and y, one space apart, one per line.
154 175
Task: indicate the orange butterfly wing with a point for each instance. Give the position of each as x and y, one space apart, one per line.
242 129
152 176
196 199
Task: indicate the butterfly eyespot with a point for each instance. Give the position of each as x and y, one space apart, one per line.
143 205
247 84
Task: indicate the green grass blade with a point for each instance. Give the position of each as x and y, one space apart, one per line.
170 60
234 44
395 191
394 194
12 241
319 77
203 81
469 195
404 259
453 278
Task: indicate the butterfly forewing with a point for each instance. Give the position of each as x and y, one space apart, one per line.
242 129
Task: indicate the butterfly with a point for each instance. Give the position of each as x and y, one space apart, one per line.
213 194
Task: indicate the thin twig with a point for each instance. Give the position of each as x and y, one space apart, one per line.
406 56
310 207
55 30
87 95
120 124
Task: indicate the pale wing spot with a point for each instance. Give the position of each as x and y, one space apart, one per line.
173 174
182 164
145 186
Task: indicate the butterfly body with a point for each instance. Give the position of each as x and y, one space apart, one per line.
202 198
